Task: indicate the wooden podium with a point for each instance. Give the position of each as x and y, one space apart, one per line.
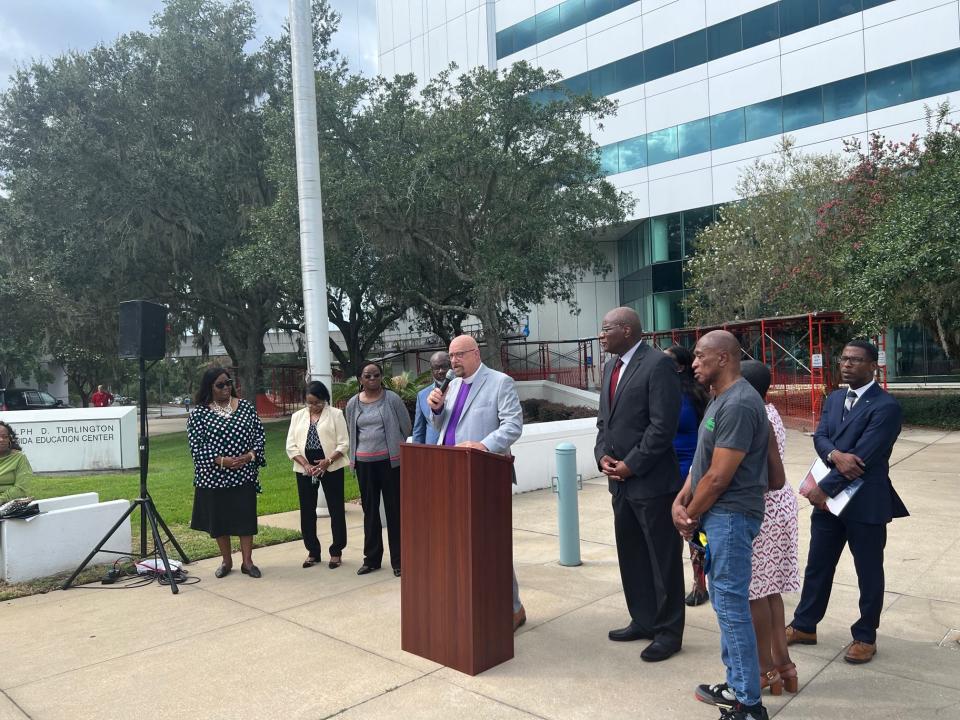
456 599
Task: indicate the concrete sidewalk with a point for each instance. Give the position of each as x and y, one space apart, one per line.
317 643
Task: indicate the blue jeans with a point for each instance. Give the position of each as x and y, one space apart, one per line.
730 539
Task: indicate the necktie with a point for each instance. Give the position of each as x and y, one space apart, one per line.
614 379
848 404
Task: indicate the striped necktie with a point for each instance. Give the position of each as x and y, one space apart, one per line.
848 404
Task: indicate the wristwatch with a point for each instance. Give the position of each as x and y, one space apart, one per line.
830 456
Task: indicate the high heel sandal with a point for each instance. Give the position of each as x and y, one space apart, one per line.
771 679
788 673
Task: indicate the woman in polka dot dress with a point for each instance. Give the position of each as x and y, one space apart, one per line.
226 441
775 563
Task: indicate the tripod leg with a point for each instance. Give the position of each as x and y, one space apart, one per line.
66 585
173 540
149 511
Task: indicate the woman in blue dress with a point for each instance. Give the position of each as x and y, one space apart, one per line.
695 399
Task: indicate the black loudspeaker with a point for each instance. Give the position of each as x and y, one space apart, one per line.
143 330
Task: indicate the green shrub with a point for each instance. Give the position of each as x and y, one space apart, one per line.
938 410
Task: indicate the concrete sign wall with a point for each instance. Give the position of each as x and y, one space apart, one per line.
71 439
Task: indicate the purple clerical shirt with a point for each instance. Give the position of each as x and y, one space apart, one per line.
450 436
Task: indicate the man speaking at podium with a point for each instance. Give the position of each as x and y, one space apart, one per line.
479 409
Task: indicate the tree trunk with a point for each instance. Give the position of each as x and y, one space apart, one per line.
492 337
245 345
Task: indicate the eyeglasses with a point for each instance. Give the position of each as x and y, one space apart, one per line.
371 377
223 384
848 360
461 355
607 328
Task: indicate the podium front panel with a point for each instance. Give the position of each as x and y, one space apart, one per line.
456 594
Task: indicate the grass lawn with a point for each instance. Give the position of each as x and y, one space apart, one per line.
170 482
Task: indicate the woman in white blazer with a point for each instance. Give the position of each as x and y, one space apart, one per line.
319 446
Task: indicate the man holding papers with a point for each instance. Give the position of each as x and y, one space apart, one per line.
857 430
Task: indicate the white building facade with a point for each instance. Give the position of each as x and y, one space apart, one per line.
704 88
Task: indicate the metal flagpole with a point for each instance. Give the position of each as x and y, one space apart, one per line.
313 268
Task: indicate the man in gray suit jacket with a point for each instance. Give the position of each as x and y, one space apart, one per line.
480 409
639 411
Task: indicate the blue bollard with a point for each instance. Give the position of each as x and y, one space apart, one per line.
566 485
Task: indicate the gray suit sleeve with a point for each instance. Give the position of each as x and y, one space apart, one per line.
664 400
510 415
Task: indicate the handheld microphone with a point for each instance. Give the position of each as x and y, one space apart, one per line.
448 378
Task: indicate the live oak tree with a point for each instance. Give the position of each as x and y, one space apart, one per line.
361 302
145 159
896 224
484 184
765 255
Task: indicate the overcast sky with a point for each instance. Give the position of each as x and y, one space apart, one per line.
42 29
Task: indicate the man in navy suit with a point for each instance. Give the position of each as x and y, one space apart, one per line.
855 437
423 430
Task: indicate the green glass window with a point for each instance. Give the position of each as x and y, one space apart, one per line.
802 109
578 84
889 86
727 128
603 80
630 71
936 75
665 230
662 145
628 250
669 275
833 9
548 23
525 33
668 310
844 98
633 153
694 137
724 39
761 25
608 159
658 61
505 42
690 50
573 13
598 8
797 15
764 119
694 222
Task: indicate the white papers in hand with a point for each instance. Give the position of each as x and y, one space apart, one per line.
815 475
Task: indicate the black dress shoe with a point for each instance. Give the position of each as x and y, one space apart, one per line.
658 651
629 633
364 569
396 572
253 571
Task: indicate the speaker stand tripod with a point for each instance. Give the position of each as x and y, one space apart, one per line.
148 511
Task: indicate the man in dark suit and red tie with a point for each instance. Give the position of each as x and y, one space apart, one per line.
639 411
857 430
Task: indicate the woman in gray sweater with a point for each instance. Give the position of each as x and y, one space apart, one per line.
377 422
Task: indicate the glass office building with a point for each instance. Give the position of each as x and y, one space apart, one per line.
704 87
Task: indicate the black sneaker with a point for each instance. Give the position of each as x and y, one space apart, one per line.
696 597
721 695
745 712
